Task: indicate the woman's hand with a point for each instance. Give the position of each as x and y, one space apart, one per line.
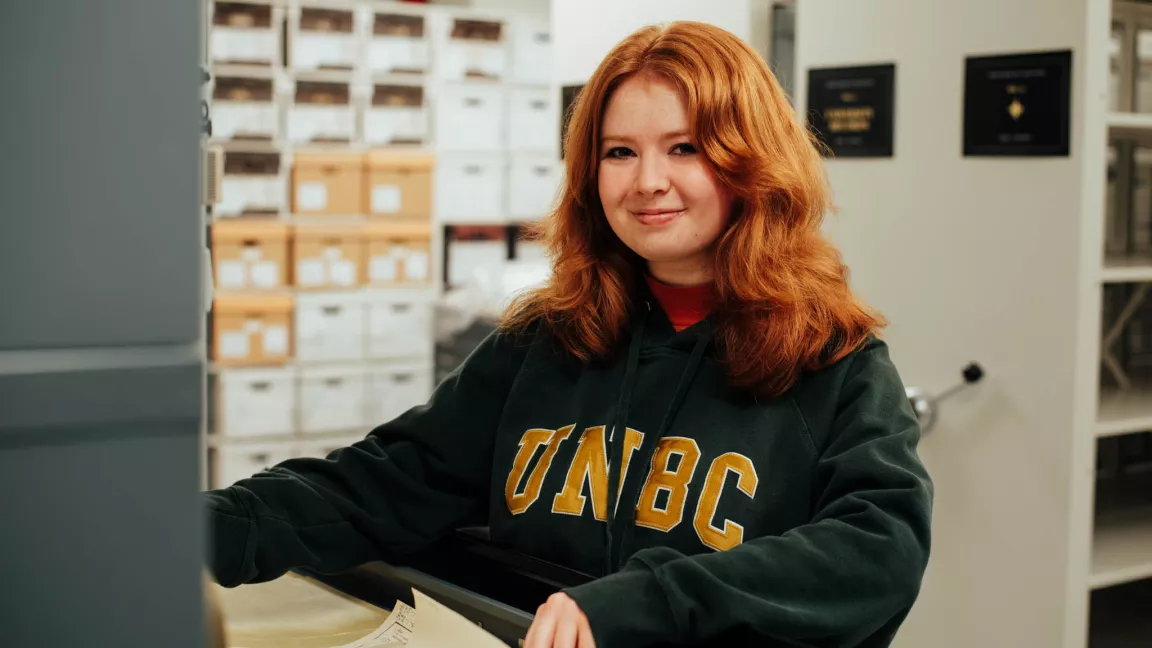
559 624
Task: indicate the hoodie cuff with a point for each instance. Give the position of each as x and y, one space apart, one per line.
228 530
627 608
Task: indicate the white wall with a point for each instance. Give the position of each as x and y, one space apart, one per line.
760 25
584 31
979 259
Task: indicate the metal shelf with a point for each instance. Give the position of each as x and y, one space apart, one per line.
1122 549
1127 270
1137 126
1123 411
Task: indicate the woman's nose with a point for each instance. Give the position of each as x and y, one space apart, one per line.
652 175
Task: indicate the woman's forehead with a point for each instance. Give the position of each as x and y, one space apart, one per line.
645 105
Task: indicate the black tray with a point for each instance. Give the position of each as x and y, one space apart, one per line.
492 586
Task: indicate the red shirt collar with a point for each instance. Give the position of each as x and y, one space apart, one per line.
684 305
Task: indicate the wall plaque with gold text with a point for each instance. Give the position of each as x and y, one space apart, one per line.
1018 104
852 109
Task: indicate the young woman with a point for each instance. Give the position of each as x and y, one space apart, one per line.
695 408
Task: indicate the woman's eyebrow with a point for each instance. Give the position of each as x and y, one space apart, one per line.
624 138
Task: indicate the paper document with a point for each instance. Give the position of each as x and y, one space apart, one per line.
439 627
394 632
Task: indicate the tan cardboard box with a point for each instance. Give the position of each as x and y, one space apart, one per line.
398 185
327 257
250 254
252 330
327 183
398 254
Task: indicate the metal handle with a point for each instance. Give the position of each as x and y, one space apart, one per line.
926 406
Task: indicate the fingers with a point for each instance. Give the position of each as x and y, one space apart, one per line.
585 640
543 627
566 630
559 623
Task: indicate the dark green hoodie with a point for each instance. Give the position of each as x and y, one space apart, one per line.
796 521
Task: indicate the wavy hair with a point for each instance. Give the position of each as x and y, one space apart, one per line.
783 304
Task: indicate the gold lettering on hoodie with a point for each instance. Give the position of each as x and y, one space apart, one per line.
732 533
674 481
673 469
590 466
519 501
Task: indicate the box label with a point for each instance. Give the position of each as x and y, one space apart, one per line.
312 196
232 274
344 273
233 345
385 199
276 341
266 274
310 272
416 266
382 268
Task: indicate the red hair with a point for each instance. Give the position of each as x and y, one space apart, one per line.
783 301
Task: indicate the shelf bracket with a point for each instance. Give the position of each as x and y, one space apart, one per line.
1108 356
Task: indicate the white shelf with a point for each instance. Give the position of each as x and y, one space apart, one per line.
1125 270
245 71
1142 121
1130 125
1124 411
1122 549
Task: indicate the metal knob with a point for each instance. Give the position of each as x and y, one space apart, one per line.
926 406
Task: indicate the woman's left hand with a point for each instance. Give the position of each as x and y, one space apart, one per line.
559 624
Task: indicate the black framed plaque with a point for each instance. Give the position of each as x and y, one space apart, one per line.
1018 104
567 98
852 109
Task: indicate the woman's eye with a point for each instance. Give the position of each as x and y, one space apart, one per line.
683 149
618 152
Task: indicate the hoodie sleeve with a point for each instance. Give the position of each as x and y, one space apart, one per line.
409 482
847 578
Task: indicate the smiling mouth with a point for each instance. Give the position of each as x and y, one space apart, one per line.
657 216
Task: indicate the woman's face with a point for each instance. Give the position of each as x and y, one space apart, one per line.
659 194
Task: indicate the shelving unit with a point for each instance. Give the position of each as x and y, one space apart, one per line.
1119 573
1122 551
329 112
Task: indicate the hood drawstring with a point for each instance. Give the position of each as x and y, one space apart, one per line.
616 433
615 556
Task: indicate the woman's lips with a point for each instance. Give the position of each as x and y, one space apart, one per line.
657 216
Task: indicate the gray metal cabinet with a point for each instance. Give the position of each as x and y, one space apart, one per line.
101 311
